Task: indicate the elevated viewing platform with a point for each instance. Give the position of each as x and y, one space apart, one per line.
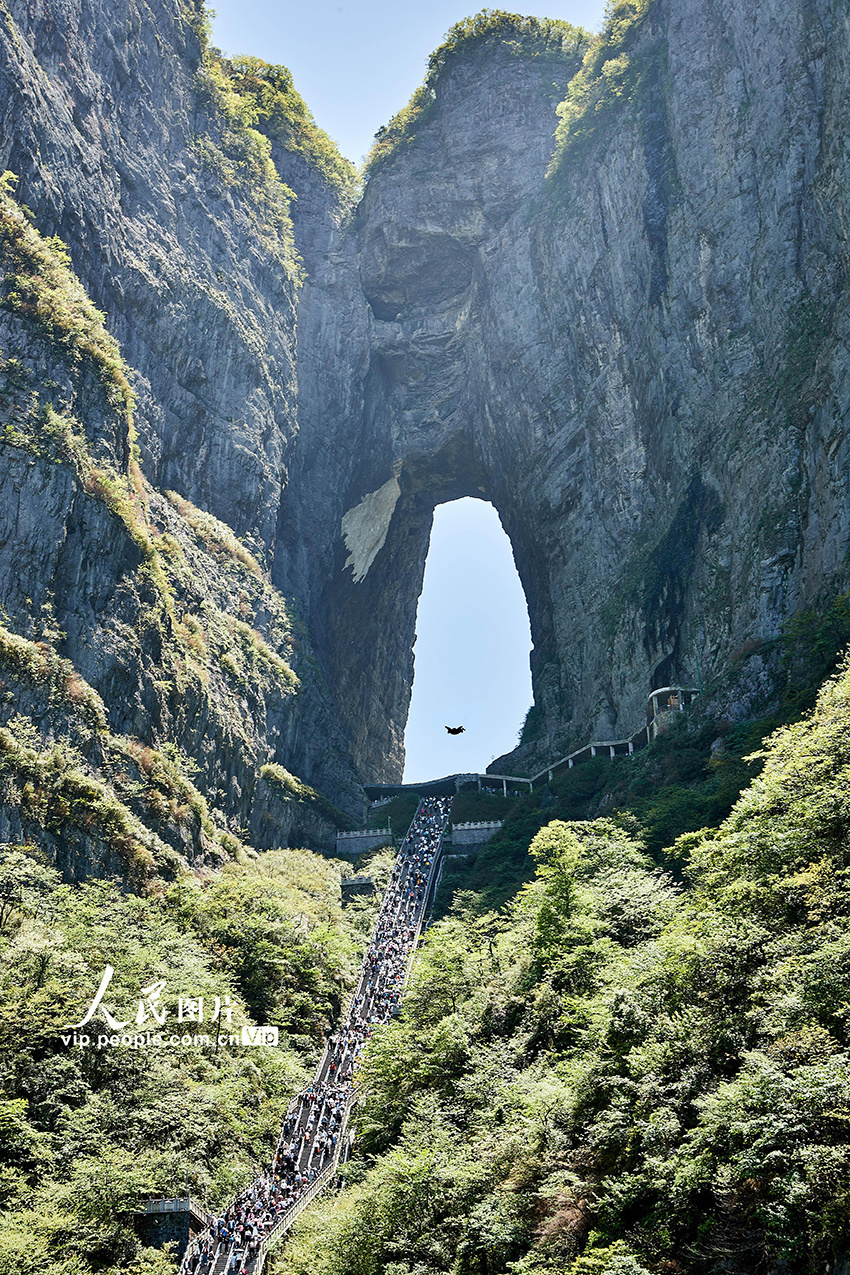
173 1221
450 786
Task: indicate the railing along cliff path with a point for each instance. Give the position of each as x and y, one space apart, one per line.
661 704
315 1136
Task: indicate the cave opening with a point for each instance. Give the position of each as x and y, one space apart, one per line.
472 646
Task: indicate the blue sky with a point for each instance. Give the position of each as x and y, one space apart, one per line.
472 646
357 63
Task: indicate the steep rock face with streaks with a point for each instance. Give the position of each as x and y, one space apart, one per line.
103 116
159 695
642 363
640 360
393 340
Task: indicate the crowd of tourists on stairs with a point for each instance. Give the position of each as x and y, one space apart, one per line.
316 1119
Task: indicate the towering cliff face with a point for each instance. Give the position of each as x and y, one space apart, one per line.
640 361
102 116
159 692
404 420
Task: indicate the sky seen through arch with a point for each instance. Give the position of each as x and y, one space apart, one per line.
472 648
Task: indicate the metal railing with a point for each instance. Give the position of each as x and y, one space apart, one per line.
169 1206
364 832
432 873
326 1175
289 1216
681 695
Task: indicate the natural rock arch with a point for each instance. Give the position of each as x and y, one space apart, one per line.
642 363
475 332
368 623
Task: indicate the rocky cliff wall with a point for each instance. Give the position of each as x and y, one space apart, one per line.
404 411
208 699
101 120
148 683
640 360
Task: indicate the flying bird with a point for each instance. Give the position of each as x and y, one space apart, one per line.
455 730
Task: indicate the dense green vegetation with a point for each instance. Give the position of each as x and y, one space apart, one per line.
689 778
254 103
297 790
473 806
677 785
281 114
491 28
399 812
234 149
613 73
39 285
618 1074
88 1134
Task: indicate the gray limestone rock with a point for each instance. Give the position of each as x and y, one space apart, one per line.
641 361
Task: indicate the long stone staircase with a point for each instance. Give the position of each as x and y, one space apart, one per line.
316 1134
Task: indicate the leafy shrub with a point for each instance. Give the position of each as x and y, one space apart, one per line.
475 807
254 645
613 1074
532 726
213 534
611 76
295 790
240 157
491 28
400 811
38 664
57 796
39 285
280 112
812 641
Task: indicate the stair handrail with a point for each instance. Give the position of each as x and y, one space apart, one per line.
425 899
289 1215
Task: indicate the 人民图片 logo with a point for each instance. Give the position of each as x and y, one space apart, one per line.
151 1014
